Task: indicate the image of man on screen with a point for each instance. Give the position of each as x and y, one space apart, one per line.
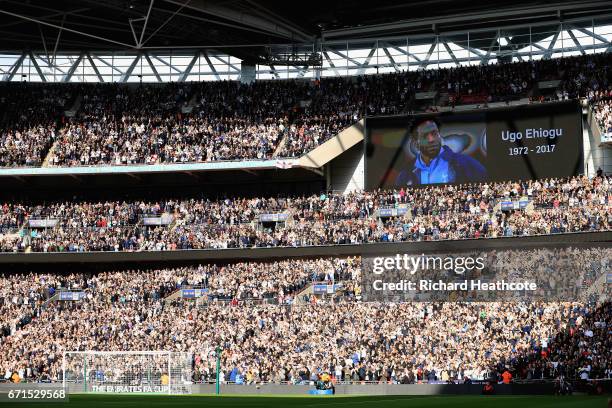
436 163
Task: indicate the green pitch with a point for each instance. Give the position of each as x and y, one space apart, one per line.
340 401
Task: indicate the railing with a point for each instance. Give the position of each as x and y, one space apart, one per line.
272 301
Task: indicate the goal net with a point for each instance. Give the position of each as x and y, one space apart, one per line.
155 372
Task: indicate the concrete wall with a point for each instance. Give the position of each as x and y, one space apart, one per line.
596 155
354 389
248 73
244 254
334 147
382 389
346 172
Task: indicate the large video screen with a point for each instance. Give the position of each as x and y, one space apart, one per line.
510 143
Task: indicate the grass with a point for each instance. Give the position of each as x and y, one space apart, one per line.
340 401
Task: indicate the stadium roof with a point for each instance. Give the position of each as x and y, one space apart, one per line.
246 28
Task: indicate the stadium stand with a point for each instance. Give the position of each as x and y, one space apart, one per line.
123 125
435 213
29 121
291 342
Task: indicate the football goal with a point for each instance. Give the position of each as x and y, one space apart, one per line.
153 372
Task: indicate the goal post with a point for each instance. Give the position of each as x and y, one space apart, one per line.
152 372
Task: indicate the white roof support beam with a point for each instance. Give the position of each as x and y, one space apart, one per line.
50 65
476 51
575 40
406 53
451 53
146 55
167 64
57 39
484 60
94 67
354 61
144 27
44 42
129 46
212 67
47 16
274 72
72 69
36 67
108 64
388 54
133 31
142 43
331 63
189 67
366 63
594 35
232 66
551 46
13 70
130 69
425 62
302 71
590 33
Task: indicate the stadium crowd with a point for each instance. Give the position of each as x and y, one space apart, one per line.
563 205
23 297
29 121
226 120
289 341
118 125
403 342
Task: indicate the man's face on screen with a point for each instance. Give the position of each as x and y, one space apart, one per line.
428 137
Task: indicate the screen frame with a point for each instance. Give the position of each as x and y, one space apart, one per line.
367 135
